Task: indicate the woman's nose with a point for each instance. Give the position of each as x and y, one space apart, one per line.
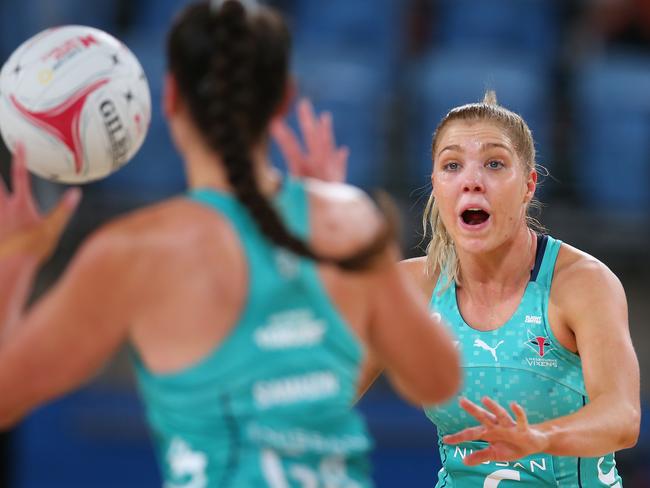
473 182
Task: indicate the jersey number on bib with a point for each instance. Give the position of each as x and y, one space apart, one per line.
331 471
493 479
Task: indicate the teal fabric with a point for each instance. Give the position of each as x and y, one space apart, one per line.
271 406
520 361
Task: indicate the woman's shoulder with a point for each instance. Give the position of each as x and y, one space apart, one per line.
418 270
573 261
578 273
166 228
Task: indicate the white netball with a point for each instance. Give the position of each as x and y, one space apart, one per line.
78 101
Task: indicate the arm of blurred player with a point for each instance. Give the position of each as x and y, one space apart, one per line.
415 348
68 334
414 268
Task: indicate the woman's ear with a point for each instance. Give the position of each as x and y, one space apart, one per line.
531 185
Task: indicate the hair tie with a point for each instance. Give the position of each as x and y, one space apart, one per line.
249 5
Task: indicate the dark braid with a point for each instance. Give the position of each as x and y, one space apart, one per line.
232 70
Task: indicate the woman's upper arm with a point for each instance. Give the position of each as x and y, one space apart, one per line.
593 304
68 334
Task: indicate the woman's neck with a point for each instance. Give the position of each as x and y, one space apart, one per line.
205 169
502 271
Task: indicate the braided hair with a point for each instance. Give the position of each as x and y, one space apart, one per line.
232 67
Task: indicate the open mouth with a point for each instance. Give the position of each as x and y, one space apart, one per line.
474 216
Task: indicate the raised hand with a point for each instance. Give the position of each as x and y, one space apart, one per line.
23 229
508 439
321 159
17 210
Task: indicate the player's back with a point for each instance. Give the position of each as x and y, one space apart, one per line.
253 384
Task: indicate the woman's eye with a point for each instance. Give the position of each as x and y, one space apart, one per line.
495 164
451 166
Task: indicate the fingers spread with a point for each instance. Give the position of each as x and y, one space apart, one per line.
60 215
57 220
21 181
520 415
481 456
465 435
477 412
19 178
326 131
502 416
309 126
340 165
289 147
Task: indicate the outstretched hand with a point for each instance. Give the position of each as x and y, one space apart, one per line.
508 439
23 229
321 159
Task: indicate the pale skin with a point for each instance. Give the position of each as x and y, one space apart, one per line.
130 282
476 166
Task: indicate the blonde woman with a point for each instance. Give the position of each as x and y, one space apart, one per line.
551 379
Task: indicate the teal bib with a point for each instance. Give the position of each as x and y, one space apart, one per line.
521 361
272 405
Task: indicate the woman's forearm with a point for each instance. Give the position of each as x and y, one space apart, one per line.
605 425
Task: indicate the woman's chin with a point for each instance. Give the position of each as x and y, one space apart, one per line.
475 243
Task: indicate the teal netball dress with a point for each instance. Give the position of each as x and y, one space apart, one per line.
271 405
521 361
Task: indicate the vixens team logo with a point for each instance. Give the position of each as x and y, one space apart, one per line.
542 346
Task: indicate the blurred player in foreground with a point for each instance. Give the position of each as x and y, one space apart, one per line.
249 302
